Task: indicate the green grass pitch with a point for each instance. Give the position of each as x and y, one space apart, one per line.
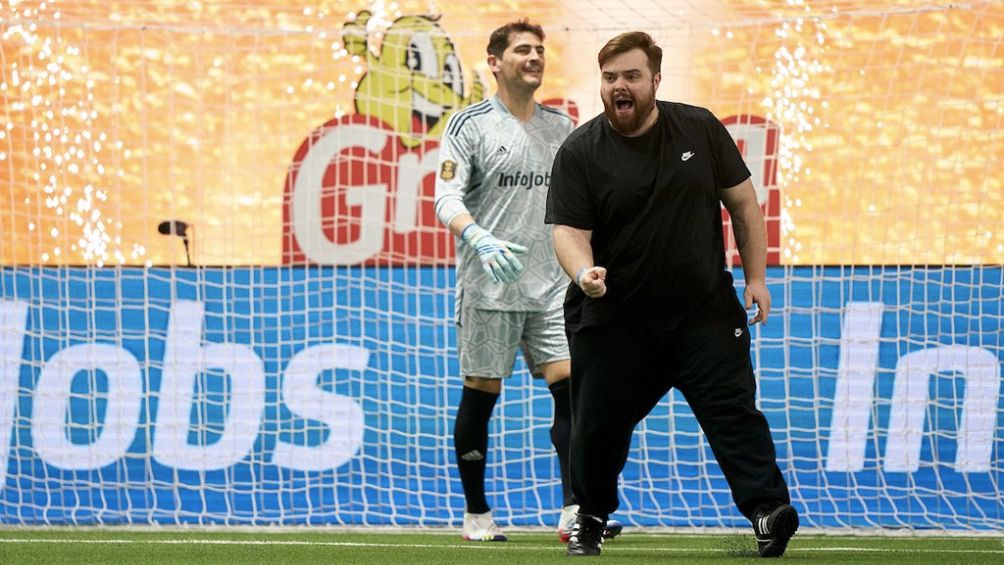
298 546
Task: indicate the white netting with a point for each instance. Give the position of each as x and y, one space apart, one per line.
302 370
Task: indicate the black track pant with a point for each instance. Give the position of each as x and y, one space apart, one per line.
619 375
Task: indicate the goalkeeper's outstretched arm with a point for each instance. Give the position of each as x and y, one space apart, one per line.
498 257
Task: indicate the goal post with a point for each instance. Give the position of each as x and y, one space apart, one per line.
225 297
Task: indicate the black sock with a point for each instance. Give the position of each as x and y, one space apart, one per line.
561 434
470 441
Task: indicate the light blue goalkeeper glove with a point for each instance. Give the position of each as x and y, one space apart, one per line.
498 258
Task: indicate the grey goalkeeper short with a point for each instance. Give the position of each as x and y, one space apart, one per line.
487 340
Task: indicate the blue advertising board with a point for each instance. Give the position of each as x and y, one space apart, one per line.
326 395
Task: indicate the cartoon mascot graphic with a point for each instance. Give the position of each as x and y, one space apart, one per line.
361 187
415 83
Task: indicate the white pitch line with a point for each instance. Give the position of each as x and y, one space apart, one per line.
481 546
894 550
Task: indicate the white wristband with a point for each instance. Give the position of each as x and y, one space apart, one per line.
578 275
468 232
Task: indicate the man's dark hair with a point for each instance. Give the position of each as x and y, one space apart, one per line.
500 38
633 40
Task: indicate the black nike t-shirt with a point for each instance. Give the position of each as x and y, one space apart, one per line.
652 203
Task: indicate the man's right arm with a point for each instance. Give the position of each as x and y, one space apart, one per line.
575 254
498 257
453 177
568 203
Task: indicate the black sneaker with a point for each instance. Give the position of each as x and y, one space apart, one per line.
774 528
612 529
567 521
587 536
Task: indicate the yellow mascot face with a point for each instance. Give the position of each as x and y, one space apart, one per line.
415 83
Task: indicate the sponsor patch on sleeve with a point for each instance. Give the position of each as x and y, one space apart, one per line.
448 170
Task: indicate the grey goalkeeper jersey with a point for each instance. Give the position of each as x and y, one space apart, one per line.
499 170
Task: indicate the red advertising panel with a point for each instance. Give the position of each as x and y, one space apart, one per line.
757 140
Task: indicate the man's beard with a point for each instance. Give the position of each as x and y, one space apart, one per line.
627 125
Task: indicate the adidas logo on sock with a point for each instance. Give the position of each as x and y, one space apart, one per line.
472 456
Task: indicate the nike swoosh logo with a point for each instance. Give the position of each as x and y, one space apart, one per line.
686 155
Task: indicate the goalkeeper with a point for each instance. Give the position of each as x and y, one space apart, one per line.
491 187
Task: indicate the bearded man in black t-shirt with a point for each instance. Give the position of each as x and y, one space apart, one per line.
635 200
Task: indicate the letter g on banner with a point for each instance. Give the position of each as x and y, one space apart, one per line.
307 192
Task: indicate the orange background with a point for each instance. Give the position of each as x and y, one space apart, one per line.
115 116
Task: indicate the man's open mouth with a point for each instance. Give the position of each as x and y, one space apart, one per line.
424 113
623 105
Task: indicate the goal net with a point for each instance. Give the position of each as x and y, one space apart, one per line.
225 298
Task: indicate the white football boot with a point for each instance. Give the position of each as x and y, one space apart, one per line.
482 527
